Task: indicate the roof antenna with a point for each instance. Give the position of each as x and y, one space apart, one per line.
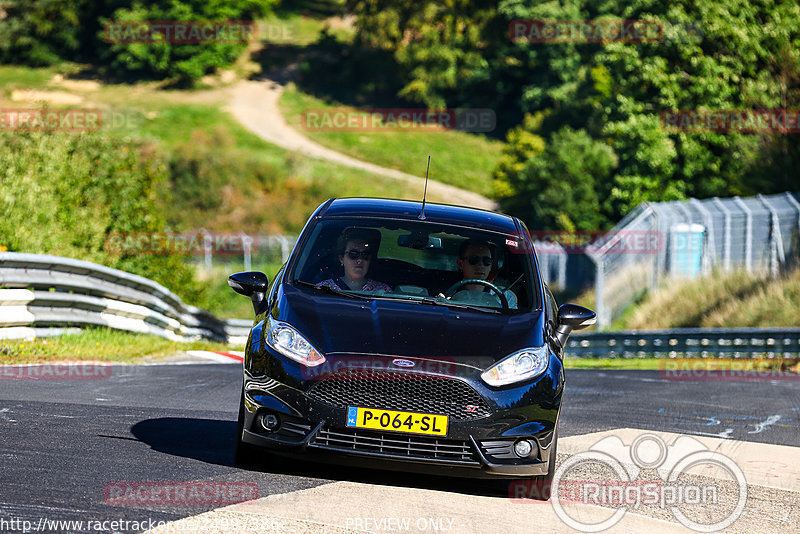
424 194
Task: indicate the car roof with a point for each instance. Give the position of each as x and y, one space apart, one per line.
410 210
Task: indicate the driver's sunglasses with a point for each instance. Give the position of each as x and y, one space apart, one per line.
356 254
473 260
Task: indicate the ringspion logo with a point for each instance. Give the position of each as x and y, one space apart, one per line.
619 485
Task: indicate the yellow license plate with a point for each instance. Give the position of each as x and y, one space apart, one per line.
415 423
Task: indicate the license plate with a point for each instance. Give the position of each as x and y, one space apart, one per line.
415 423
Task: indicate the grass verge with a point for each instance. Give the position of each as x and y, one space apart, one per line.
737 299
98 344
457 158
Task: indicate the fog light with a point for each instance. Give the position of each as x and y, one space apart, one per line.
269 422
524 448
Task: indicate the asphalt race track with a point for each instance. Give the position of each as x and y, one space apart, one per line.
65 444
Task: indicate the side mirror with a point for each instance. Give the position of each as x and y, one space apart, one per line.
572 317
251 284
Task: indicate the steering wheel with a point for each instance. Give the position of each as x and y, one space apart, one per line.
458 285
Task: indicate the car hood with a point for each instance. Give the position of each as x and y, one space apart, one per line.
337 324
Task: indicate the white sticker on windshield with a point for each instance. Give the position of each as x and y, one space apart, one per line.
511 243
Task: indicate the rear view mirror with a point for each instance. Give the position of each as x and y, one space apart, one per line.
419 241
251 284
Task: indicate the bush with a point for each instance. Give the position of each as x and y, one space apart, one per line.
215 185
66 194
186 62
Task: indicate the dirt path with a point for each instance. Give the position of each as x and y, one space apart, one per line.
255 105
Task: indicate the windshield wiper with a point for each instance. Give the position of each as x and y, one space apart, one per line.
328 289
434 302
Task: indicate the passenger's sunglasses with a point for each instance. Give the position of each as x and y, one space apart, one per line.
355 254
473 260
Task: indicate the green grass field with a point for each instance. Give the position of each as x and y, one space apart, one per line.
457 158
97 344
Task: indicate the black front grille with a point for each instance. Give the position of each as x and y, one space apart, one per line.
399 445
398 390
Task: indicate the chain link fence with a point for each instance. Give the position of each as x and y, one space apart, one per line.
687 239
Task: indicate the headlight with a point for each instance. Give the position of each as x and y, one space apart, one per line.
285 339
522 365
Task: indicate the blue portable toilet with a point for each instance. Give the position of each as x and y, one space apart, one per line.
686 250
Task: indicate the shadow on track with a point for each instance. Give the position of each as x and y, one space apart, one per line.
207 440
212 441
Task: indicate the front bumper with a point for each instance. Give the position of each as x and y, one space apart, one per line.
479 447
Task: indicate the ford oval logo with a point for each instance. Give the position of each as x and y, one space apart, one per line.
403 363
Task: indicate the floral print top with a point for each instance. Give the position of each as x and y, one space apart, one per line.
369 285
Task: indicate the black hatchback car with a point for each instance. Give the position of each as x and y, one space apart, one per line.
403 336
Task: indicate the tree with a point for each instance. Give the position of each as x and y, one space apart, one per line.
38 32
557 184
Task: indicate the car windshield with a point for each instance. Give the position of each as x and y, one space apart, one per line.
430 263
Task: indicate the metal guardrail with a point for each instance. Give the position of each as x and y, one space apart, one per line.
42 291
687 342
47 294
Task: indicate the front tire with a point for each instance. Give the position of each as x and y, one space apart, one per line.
244 454
545 482
538 488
